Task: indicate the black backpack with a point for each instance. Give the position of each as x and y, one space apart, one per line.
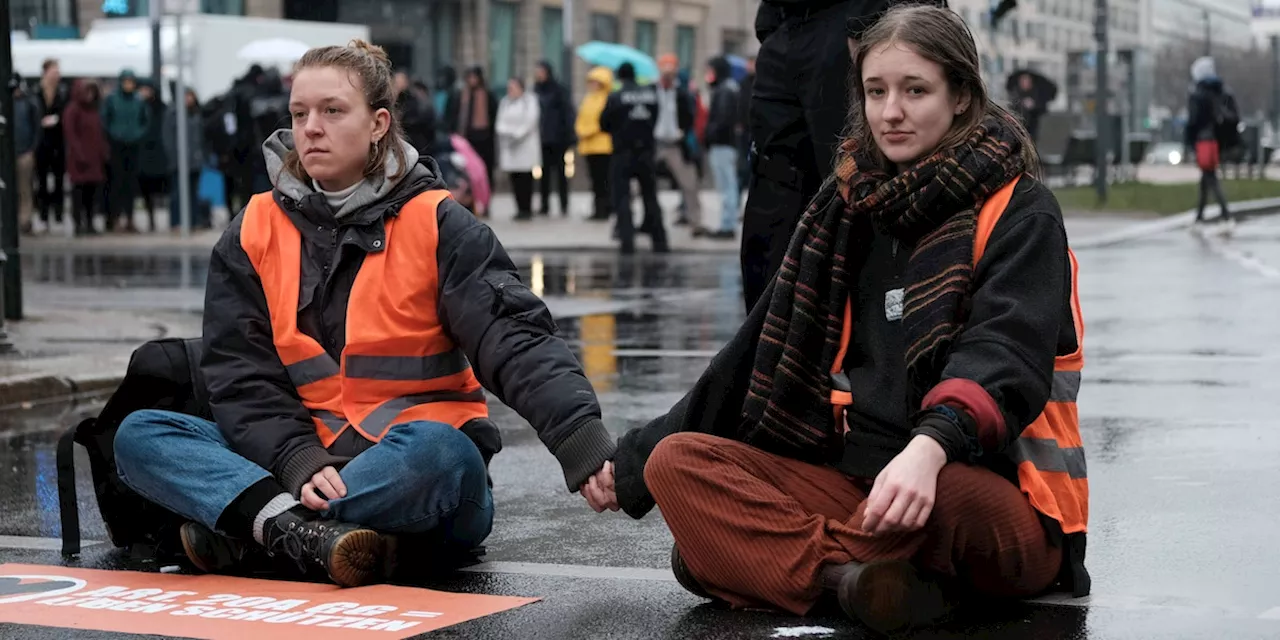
162 374
1226 120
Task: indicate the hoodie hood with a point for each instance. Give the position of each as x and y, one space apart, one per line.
85 92
602 75
1212 85
1203 69
371 190
128 74
551 73
446 78
720 68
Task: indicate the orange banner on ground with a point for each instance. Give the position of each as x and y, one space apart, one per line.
215 607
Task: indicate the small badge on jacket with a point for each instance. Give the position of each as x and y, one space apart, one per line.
893 305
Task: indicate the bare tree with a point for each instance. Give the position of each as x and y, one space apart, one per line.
1246 72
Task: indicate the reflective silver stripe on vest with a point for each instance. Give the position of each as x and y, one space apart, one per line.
330 419
840 382
407 367
1045 454
312 369
381 418
1066 386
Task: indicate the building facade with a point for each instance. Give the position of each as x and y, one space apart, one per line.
505 37
1209 24
508 37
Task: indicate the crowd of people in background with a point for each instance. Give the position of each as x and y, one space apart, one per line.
94 149
109 149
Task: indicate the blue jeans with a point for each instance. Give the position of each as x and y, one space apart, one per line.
724 166
422 476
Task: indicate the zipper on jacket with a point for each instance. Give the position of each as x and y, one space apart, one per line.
325 271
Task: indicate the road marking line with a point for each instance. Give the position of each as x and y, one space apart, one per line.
573 571
38 544
1103 601
1242 258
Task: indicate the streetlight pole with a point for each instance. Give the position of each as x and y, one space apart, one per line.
566 32
1208 35
155 8
10 259
1100 101
180 105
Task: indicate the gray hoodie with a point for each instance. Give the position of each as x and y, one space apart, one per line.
279 144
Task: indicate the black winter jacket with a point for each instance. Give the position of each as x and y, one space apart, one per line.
723 117
1019 319
505 330
1200 111
557 113
629 116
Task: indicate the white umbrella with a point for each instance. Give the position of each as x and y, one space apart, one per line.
274 50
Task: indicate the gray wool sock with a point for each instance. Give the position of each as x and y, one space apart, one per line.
277 506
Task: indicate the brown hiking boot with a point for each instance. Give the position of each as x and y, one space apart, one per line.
888 596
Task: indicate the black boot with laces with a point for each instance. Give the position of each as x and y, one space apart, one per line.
351 555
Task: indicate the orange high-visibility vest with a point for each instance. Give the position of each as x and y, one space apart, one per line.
1049 453
398 364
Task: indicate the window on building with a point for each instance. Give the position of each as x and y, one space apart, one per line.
604 27
553 39
223 7
687 45
735 42
446 23
647 36
30 13
502 41
136 8
313 10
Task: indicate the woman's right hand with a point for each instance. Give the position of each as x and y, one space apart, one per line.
324 484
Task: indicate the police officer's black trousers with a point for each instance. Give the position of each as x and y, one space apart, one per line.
798 108
640 165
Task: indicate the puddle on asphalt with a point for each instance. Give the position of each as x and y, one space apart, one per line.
55 416
571 274
116 270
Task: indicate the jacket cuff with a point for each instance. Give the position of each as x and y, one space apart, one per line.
584 452
969 397
633 494
303 464
947 433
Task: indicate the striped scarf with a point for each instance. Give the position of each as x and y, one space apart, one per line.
931 207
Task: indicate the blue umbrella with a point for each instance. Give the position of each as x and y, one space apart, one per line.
611 55
737 67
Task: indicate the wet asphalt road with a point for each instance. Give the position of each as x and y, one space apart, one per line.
1183 443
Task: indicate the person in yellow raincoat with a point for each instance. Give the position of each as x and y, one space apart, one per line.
595 145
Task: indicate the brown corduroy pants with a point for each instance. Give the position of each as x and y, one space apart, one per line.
755 529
